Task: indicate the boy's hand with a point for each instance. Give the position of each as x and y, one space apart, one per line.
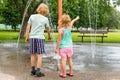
27 40
49 38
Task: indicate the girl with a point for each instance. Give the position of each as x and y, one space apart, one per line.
64 44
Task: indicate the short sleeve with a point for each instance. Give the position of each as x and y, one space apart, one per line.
47 23
30 20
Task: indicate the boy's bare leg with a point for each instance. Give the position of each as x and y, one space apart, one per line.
39 60
39 64
70 64
33 62
63 65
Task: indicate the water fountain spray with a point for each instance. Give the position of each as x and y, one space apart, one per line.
56 56
92 13
25 11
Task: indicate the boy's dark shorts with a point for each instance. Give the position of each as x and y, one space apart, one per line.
37 46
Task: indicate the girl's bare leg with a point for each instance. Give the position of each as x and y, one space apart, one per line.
63 65
70 64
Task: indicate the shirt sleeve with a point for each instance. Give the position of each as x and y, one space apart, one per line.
30 20
47 23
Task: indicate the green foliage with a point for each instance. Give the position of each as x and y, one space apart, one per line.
93 13
53 11
11 11
10 15
118 2
114 20
72 8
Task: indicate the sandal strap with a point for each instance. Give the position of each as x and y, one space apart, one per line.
62 75
70 74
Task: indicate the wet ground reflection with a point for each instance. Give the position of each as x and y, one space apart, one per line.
106 57
87 57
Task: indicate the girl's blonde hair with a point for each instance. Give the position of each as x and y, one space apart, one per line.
65 20
43 9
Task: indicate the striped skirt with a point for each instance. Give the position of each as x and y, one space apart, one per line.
37 46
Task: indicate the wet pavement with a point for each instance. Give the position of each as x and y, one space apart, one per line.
91 62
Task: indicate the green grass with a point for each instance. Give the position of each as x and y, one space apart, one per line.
9 36
113 37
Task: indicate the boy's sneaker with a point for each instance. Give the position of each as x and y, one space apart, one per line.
33 72
39 74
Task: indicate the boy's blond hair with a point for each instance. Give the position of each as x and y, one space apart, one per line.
65 20
43 9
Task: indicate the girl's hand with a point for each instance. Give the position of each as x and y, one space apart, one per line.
74 20
27 40
57 51
77 18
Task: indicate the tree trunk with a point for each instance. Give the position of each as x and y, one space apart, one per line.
14 27
108 29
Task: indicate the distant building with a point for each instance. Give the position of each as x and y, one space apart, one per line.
7 27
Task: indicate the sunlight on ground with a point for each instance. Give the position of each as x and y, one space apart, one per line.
6 77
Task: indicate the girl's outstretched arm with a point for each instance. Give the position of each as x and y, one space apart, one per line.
74 20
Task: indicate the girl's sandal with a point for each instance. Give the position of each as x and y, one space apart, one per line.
70 74
62 75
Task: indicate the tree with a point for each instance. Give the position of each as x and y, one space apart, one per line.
114 20
21 6
14 11
53 12
93 13
10 15
100 12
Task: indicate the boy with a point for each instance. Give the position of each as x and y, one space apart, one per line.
36 25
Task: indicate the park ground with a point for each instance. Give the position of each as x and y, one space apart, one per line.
16 66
